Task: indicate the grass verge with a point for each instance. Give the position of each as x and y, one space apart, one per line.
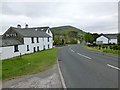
103 50
0 70
29 64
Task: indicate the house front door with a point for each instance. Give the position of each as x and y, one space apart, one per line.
44 47
34 49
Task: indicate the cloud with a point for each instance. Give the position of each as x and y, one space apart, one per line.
100 17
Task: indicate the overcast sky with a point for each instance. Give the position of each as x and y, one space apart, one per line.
94 17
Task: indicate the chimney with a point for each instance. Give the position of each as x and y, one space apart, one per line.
26 26
18 26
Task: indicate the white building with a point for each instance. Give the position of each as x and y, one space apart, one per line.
19 41
107 39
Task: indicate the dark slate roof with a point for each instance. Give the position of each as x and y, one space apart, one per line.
25 32
33 32
10 42
44 29
111 36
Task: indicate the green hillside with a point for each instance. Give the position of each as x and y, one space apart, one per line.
65 29
66 35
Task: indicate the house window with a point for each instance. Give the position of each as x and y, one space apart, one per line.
32 39
16 48
37 48
48 46
37 40
48 39
28 48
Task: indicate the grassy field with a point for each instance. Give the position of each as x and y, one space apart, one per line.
29 64
103 50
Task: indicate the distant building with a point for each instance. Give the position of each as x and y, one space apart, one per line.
107 39
20 41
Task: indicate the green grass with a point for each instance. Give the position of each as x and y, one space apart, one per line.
103 50
0 70
112 51
29 64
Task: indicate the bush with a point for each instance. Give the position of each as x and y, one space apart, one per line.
116 47
110 47
73 41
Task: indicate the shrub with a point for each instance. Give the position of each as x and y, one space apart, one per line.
73 41
110 47
116 47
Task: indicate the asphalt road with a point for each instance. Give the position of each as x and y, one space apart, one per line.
83 68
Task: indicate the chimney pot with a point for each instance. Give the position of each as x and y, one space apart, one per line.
18 26
26 26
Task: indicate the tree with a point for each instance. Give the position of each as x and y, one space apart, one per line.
73 34
57 40
89 38
64 37
118 38
95 36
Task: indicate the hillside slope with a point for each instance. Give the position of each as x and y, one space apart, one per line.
66 29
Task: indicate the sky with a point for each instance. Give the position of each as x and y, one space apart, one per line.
91 16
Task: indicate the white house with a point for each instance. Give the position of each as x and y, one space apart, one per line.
19 41
107 39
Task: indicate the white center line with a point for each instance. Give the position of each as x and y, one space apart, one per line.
113 67
84 56
72 50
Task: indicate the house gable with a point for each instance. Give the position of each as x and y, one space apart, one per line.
11 33
48 31
102 40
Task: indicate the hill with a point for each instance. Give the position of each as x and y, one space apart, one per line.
65 29
67 35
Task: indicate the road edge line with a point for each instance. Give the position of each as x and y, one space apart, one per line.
61 76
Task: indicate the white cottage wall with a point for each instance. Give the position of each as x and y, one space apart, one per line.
51 43
8 52
103 39
49 33
27 41
113 41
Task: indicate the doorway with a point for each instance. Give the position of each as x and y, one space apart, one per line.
34 49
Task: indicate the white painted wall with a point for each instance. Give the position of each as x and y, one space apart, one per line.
51 38
50 33
8 52
51 42
113 41
102 39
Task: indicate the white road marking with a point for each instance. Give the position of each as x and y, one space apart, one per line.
113 67
72 50
84 56
80 54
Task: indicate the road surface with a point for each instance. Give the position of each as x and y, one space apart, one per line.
83 68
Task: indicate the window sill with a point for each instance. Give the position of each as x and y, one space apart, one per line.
16 51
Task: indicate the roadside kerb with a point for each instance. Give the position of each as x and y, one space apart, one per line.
61 76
